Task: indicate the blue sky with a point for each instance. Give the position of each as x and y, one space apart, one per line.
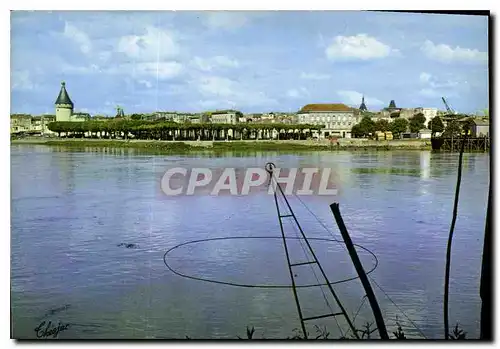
250 61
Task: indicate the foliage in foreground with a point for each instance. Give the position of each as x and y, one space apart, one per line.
321 333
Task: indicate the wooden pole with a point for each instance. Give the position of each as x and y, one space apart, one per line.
379 319
486 285
450 239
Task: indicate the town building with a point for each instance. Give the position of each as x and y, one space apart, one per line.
338 119
480 128
22 123
391 112
425 133
39 124
80 117
429 113
198 118
225 117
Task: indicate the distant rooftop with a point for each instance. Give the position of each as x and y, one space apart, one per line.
482 122
325 108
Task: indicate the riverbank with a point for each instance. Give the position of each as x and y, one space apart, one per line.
247 145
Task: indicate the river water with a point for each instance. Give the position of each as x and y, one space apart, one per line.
71 209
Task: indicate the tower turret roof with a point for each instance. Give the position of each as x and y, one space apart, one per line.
63 97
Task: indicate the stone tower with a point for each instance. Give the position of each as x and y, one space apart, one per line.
64 105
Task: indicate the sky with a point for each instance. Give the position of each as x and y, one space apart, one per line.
249 61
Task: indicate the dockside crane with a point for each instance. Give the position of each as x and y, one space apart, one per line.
448 109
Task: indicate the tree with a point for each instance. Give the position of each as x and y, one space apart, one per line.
452 129
356 131
417 122
436 125
364 128
382 125
399 126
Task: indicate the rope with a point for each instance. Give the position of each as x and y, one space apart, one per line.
394 303
357 312
362 302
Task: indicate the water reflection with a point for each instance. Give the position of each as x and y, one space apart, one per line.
425 165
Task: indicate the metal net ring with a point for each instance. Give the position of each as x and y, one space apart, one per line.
235 284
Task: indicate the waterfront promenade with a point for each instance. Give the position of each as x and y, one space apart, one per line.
321 144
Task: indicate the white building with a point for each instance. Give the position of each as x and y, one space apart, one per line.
429 113
35 124
425 133
226 117
338 119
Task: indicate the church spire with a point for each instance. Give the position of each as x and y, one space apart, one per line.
363 107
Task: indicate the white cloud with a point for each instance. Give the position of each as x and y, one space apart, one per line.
142 70
155 44
21 80
354 98
214 85
146 83
425 77
224 61
429 92
208 64
433 93
160 70
226 20
298 93
78 36
224 92
314 76
446 53
74 69
435 87
202 64
360 46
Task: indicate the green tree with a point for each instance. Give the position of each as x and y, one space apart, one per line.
417 122
452 129
364 128
399 126
382 125
436 125
356 131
